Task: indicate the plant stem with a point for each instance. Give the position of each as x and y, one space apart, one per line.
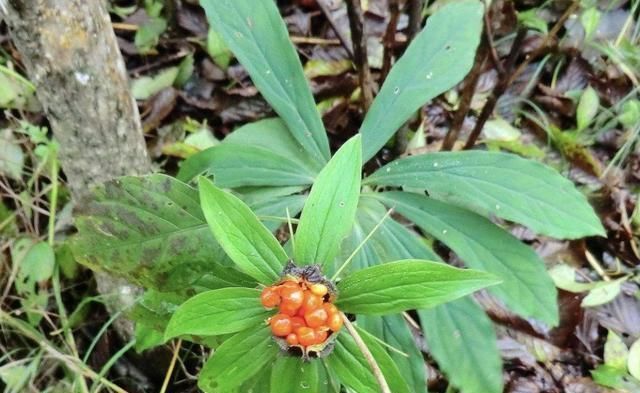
498 90
362 243
172 365
389 39
415 18
466 97
53 203
342 35
359 41
377 373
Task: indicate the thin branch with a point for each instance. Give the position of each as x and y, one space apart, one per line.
466 97
325 6
488 34
362 243
498 90
377 373
389 40
167 377
359 40
415 18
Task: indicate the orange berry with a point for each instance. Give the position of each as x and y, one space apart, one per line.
334 322
292 339
316 318
289 309
297 322
318 289
294 296
281 325
288 284
269 297
330 309
306 336
310 302
321 336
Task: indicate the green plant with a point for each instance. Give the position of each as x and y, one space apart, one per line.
153 231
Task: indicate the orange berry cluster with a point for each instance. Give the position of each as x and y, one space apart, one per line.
306 317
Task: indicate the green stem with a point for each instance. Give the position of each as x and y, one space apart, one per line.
353 254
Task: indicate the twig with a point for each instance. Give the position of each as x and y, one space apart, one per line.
172 365
498 90
466 97
325 6
415 18
389 40
359 40
313 40
377 373
488 34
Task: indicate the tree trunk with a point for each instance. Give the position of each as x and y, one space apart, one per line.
70 53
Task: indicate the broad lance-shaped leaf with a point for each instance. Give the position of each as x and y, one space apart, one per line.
268 155
353 371
466 327
257 35
500 184
463 342
221 311
243 237
438 58
404 285
235 165
142 228
527 289
238 359
328 214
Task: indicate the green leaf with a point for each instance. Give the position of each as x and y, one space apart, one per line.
257 35
330 209
526 289
146 86
438 58
148 34
604 292
238 359
393 330
633 361
409 284
290 374
243 237
11 155
499 184
587 109
218 51
141 228
236 165
616 352
267 148
462 340
221 311
353 371
269 210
